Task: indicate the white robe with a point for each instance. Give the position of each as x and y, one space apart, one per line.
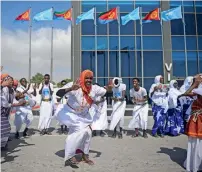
100 118
79 122
140 116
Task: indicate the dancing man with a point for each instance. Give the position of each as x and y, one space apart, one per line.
140 112
75 115
119 106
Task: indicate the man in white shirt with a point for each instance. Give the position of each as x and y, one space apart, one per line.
46 108
119 106
138 96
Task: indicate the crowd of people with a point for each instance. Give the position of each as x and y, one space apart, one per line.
81 109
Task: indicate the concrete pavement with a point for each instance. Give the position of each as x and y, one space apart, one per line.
45 153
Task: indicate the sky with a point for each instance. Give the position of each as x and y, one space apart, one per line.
15 40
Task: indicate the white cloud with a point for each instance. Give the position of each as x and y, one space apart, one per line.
15 52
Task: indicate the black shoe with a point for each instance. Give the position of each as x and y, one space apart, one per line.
9 139
25 132
42 132
17 136
114 135
120 136
94 133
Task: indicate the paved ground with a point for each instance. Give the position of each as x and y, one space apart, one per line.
45 153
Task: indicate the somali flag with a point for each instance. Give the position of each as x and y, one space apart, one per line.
134 15
44 15
172 14
89 15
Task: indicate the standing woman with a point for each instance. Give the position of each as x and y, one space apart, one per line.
7 95
193 162
174 123
159 99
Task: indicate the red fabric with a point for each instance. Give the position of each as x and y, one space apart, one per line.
110 15
24 16
15 82
152 15
3 76
86 90
66 15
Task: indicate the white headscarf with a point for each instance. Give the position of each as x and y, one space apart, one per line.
187 84
156 82
173 94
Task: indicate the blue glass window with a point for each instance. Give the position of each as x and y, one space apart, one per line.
128 42
147 6
192 63
113 28
113 43
198 5
101 28
148 82
128 64
102 61
177 27
153 28
200 62
138 42
178 59
125 6
177 43
88 60
174 3
188 6
87 27
191 42
190 26
101 6
127 29
200 42
152 42
88 43
102 81
154 59
199 23
102 43
138 27
113 63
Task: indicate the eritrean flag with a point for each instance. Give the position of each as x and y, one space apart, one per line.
152 15
108 16
67 15
24 16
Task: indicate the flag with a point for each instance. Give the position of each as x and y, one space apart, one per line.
108 16
24 16
171 14
152 15
134 15
44 15
89 15
67 15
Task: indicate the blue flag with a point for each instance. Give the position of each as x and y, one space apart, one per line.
134 15
171 14
44 15
89 15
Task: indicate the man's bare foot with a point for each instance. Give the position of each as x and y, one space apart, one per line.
87 160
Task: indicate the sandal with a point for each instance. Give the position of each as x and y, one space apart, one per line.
71 162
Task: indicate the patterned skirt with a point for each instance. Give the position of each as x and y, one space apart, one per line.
5 126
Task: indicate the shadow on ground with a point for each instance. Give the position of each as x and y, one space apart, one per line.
177 155
7 155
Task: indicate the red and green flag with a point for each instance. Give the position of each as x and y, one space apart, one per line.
66 15
24 16
108 16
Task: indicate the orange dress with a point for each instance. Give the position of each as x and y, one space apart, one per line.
194 126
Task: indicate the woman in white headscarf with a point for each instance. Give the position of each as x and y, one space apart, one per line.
186 101
158 95
174 124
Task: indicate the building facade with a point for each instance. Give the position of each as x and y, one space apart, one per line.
165 50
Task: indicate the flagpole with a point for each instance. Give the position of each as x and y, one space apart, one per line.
185 41
30 50
142 60
162 38
72 44
95 23
51 70
119 41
